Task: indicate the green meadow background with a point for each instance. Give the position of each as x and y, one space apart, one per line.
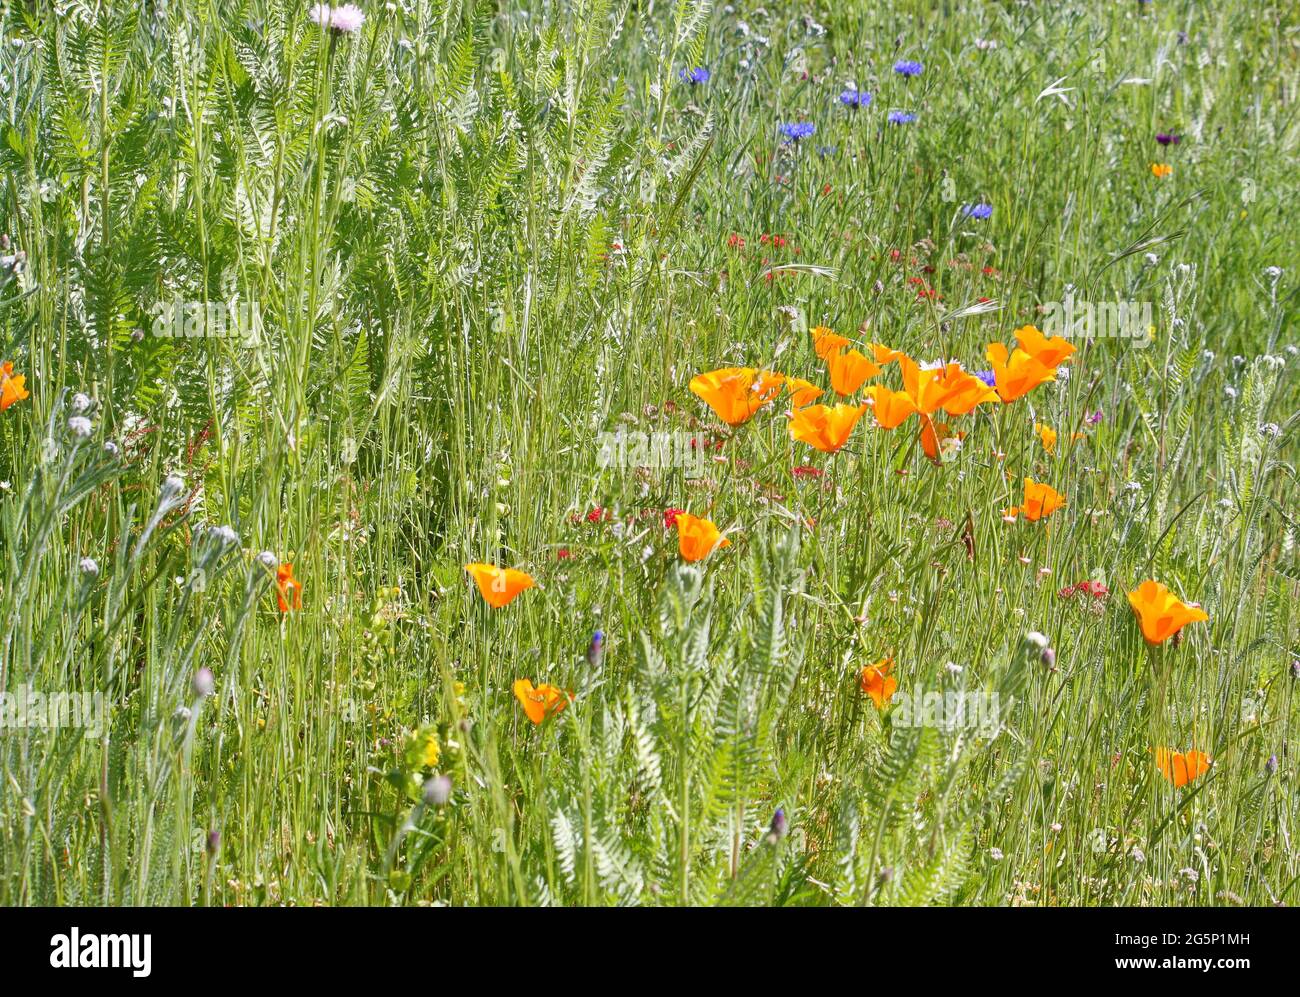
474 238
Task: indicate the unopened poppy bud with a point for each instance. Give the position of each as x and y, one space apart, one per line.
214 842
80 427
172 486
89 567
437 790
203 683
1049 658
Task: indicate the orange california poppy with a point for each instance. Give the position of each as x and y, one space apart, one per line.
1161 170
1040 502
802 392
824 427
697 538
877 682
1161 613
541 701
921 384
288 590
1047 434
826 341
11 386
1181 768
1016 374
891 408
498 586
934 435
736 393
959 391
849 371
1048 352
884 355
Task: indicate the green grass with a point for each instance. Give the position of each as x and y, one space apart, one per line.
477 239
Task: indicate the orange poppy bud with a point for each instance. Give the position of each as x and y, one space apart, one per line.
877 682
697 538
288 590
12 386
1181 768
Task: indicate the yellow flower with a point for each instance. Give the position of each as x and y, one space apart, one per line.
1047 434
431 752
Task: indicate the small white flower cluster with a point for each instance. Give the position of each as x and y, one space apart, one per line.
79 425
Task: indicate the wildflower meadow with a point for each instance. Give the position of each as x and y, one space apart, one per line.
628 452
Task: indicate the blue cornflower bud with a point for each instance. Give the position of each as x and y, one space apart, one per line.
779 826
596 650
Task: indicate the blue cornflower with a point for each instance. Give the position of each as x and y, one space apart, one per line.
799 129
855 99
780 825
901 117
988 377
827 150
596 650
980 211
908 67
693 76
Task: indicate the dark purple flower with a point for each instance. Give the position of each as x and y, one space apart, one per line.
1165 138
